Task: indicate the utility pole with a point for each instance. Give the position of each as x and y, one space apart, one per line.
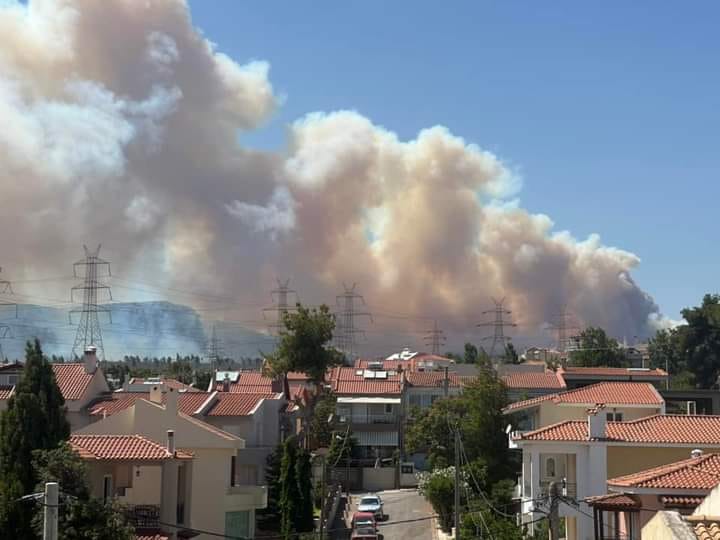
446 383
88 331
281 307
457 483
6 330
51 503
434 339
215 351
498 324
346 320
554 515
566 329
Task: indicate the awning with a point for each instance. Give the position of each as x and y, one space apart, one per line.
369 400
376 438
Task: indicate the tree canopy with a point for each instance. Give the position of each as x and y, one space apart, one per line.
305 343
596 348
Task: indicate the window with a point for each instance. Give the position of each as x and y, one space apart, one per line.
407 468
232 470
388 408
12 379
614 417
550 467
107 488
237 524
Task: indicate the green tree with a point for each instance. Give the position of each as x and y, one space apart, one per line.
304 520
438 488
477 412
511 355
289 492
596 348
471 354
269 517
700 340
81 517
341 448
320 426
305 344
34 420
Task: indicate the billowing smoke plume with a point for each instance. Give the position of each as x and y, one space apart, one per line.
120 125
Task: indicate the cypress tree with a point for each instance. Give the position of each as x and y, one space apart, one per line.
304 521
33 420
269 517
289 493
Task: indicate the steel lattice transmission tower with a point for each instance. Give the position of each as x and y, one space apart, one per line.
6 330
346 330
91 269
435 338
216 354
566 329
498 324
280 299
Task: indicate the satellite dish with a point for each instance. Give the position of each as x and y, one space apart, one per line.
508 429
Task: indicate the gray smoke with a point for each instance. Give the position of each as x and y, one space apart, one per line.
120 125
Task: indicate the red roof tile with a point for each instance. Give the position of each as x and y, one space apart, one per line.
705 527
188 402
614 500
575 372
121 448
700 473
681 501
72 380
534 380
346 380
6 392
657 429
610 393
229 404
434 379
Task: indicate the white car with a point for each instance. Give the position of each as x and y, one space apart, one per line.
372 504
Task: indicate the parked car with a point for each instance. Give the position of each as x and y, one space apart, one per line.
373 505
366 533
363 520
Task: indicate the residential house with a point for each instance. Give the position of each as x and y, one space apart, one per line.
225 493
622 400
531 381
423 388
369 405
154 481
583 454
140 384
80 383
680 486
576 377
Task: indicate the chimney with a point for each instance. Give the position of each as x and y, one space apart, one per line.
156 393
696 453
596 422
171 441
171 402
90 359
226 383
276 385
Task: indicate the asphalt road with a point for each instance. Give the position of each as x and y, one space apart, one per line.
403 506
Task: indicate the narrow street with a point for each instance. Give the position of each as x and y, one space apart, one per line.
402 507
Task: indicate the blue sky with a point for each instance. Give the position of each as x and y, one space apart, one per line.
609 110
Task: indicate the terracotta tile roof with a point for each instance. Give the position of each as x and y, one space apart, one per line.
209 427
345 380
700 473
252 382
435 379
188 402
681 501
610 393
12 366
576 372
614 500
705 527
534 380
229 404
657 429
121 448
72 380
6 392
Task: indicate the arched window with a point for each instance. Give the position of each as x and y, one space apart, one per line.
550 467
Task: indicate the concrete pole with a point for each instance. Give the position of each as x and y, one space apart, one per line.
51 500
322 501
554 516
457 483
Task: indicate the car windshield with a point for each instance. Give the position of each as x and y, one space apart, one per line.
369 500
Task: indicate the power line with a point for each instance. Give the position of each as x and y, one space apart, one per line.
280 298
498 324
435 338
88 332
346 330
216 353
566 329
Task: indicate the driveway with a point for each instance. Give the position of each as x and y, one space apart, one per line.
407 515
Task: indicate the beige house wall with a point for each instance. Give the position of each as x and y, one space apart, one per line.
552 413
77 414
622 460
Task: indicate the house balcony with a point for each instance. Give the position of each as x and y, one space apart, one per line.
567 489
369 419
143 516
245 497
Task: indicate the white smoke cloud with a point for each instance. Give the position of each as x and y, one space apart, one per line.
121 115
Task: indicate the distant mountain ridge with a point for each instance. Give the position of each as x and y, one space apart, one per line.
137 328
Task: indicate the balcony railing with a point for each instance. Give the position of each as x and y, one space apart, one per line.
567 489
143 516
368 418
